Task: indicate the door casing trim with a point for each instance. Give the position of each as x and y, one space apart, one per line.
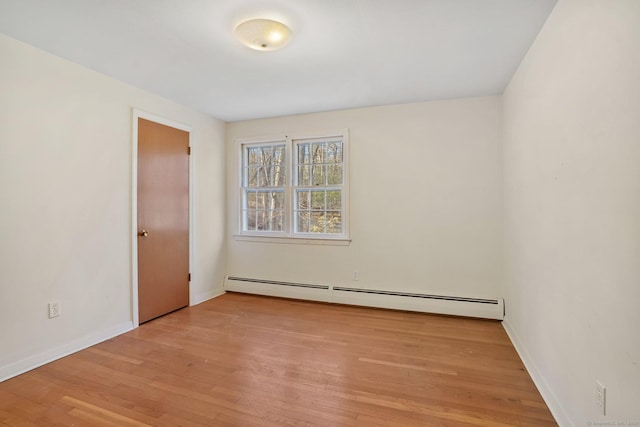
140 114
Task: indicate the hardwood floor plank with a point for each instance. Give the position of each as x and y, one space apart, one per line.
115 356
407 366
14 420
244 360
101 412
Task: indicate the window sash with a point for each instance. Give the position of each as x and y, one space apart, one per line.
269 163
264 210
318 211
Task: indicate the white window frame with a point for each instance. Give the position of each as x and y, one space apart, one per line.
289 235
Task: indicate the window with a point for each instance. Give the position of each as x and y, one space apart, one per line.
295 187
264 176
318 185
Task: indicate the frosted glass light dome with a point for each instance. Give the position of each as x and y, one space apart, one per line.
263 34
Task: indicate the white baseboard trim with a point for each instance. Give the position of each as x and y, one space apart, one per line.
545 391
21 366
425 303
197 299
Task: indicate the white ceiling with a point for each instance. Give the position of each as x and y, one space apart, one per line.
344 53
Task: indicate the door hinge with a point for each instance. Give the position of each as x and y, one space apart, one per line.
189 150
189 278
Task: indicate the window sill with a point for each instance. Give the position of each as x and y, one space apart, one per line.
292 240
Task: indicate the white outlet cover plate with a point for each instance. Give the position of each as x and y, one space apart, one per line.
601 397
54 309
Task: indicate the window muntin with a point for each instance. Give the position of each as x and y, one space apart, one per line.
295 187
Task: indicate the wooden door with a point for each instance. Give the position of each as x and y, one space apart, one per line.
163 219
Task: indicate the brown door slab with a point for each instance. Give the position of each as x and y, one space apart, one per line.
163 219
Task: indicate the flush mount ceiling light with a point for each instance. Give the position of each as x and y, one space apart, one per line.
263 34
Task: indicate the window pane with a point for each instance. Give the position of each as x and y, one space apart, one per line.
266 155
318 152
334 152
304 175
251 220
269 200
278 175
272 220
277 223
317 222
277 200
334 200
252 177
302 222
334 174
272 176
279 165
260 220
254 157
317 200
304 157
260 200
279 155
319 175
263 176
250 200
302 200
334 222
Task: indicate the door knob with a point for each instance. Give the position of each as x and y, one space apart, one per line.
143 233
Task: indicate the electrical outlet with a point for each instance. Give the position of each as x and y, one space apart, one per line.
54 309
601 398
355 276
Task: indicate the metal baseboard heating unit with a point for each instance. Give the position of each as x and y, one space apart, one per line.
426 303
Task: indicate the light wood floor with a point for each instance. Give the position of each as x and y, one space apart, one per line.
242 360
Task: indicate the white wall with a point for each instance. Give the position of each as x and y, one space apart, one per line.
572 209
65 191
426 201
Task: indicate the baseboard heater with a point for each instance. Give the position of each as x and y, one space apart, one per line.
427 303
